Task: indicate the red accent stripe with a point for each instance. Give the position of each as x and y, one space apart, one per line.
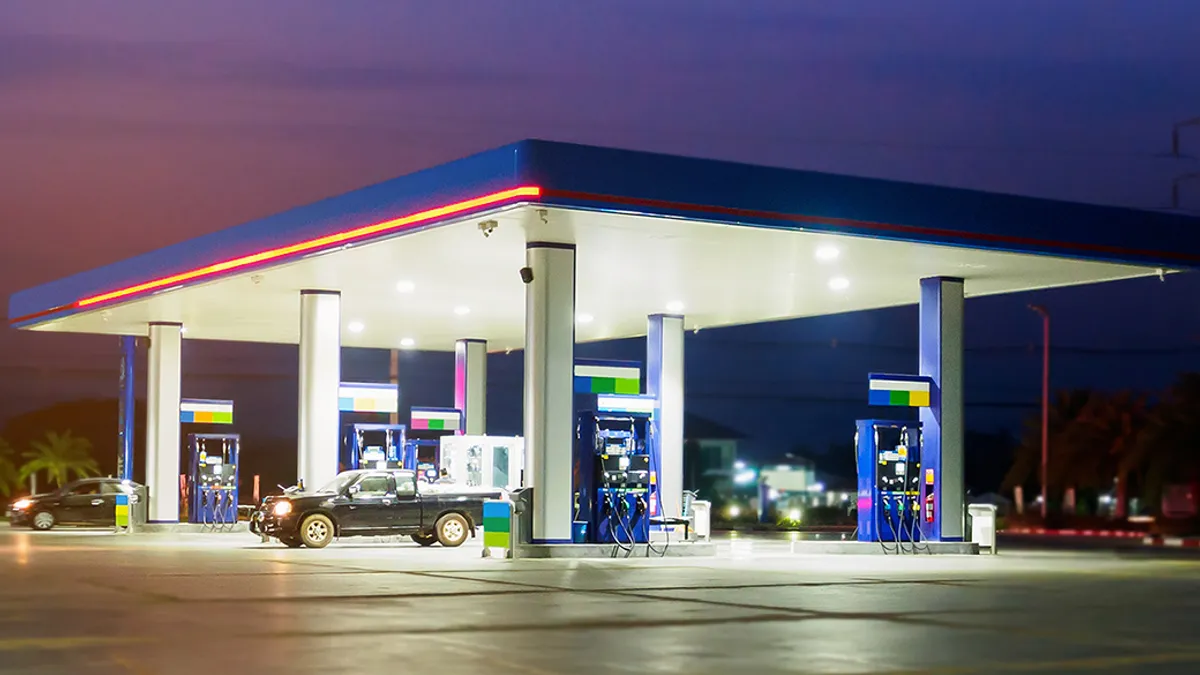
308 246
859 224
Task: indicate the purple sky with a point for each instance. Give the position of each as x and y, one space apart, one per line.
128 126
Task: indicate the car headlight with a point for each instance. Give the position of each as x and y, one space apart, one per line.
282 508
22 504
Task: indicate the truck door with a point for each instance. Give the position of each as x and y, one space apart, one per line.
371 503
408 503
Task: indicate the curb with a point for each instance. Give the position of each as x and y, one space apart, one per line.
1172 542
1041 531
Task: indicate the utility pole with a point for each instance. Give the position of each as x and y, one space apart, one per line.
1045 402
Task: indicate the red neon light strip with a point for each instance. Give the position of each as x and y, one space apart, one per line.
315 244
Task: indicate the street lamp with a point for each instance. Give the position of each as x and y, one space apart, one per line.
1045 400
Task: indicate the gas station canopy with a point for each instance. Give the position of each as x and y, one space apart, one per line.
428 258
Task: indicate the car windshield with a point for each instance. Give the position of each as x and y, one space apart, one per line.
337 485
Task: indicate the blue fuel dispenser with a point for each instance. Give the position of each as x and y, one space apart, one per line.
890 488
615 471
374 446
213 480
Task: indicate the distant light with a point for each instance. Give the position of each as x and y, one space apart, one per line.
839 283
794 514
675 306
818 487
734 511
739 465
585 318
462 310
772 494
183 330
407 342
745 477
355 326
827 252
405 287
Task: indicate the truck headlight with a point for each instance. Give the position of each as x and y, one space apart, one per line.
282 508
22 504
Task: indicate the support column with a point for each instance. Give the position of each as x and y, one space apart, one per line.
163 375
549 387
941 358
664 381
126 408
470 385
320 376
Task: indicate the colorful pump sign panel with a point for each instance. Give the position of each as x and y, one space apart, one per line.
368 397
436 419
914 391
205 411
607 377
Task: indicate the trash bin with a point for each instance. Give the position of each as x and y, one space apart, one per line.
983 526
701 517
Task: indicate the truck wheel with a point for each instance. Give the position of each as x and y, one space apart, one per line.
452 530
425 538
316 531
291 542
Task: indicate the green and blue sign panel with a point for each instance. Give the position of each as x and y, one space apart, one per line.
913 391
607 377
497 524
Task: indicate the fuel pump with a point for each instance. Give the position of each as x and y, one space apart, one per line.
213 481
614 476
374 446
891 493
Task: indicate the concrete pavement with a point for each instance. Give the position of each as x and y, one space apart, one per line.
85 603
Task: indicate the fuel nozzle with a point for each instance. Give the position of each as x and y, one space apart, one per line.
640 505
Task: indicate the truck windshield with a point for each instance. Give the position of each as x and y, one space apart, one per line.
338 484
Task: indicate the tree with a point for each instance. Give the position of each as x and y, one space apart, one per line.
10 477
1027 460
1099 447
1166 447
59 456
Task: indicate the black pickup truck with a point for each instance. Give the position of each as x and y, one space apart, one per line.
372 503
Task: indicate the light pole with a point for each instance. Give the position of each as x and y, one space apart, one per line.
1045 401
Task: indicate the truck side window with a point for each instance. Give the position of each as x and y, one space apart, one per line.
405 487
373 486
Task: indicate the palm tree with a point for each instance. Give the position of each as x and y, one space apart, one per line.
61 455
1166 447
1101 444
1027 459
10 478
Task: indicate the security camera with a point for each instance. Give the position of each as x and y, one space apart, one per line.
487 226
527 275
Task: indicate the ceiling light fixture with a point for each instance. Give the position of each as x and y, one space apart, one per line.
827 252
839 283
355 326
405 286
462 310
585 318
407 342
675 306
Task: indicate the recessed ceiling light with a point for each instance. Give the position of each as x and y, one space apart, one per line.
584 318
405 286
839 283
462 310
407 342
827 252
675 306
355 326
183 330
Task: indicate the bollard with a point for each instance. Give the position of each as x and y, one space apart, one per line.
497 527
122 513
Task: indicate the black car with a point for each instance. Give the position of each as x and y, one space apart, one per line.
373 503
88 501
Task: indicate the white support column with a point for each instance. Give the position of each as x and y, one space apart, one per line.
664 381
320 376
163 376
941 358
470 385
549 387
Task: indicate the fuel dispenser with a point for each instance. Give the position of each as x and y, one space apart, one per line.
374 446
615 471
213 481
893 498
